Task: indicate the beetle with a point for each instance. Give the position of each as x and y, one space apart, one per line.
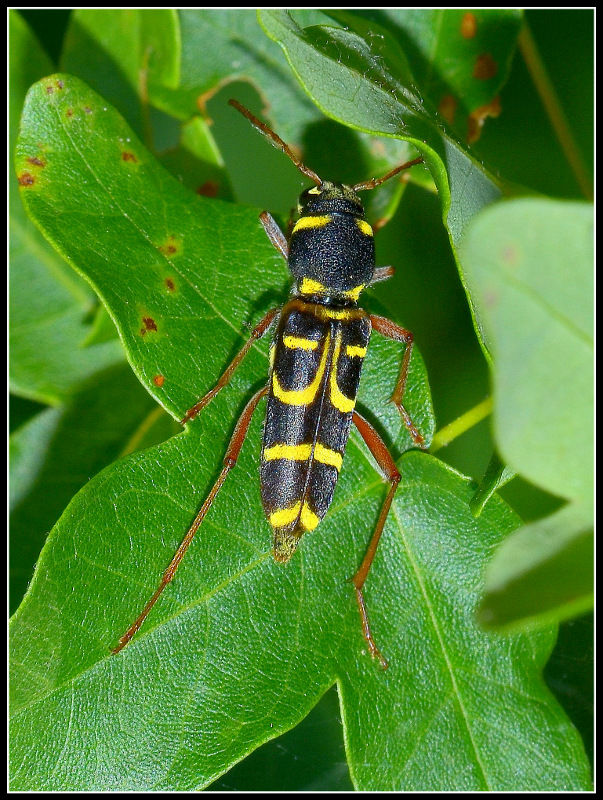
319 344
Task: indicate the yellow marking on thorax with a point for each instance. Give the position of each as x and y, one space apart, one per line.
364 227
309 286
303 397
339 400
354 293
297 343
312 222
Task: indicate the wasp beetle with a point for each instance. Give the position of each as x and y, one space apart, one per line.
320 341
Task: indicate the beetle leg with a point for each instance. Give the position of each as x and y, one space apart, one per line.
388 328
275 234
230 459
257 333
387 465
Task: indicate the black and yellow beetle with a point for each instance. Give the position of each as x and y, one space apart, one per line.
317 353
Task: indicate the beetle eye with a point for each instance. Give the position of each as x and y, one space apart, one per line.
306 198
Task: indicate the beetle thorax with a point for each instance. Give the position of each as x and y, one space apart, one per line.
331 252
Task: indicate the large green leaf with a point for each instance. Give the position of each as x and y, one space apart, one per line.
339 71
529 265
51 308
239 648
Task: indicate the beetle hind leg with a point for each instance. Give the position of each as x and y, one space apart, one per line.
230 460
387 465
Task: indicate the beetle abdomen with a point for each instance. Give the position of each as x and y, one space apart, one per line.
318 355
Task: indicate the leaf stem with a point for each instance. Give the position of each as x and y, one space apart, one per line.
550 101
462 424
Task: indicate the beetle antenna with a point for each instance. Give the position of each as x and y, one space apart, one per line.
359 187
276 141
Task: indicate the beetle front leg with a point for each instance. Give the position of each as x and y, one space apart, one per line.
257 333
275 234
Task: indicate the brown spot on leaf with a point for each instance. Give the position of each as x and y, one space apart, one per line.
209 189
468 26
490 298
510 255
37 162
170 285
170 247
158 380
26 179
69 112
149 324
128 156
60 84
475 121
485 67
88 110
447 108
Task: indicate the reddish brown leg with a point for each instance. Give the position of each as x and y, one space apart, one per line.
388 328
386 463
230 459
275 234
257 333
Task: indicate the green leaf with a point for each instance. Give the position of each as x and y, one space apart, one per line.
56 452
114 50
460 59
50 306
496 476
530 269
239 648
115 53
543 572
128 53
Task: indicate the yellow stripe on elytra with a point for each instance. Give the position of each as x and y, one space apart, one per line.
312 222
294 452
308 518
302 397
327 456
285 516
324 313
354 351
297 343
302 452
339 400
364 227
